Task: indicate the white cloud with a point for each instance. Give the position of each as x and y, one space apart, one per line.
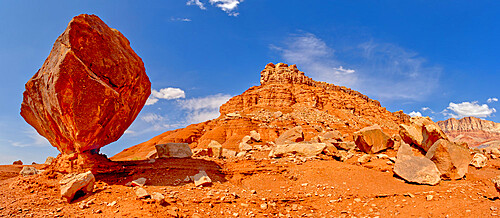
491 100
426 109
314 57
341 70
203 109
180 19
151 118
227 6
383 70
468 109
165 93
197 3
415 114
151 100
168 93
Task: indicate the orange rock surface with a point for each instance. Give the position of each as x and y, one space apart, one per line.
286 98
89 90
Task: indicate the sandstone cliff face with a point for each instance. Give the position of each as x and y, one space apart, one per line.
286 98
89 90
471 130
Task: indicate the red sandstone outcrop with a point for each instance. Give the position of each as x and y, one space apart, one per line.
285 99
89 90
471 130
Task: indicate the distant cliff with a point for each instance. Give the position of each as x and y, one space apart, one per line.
474 131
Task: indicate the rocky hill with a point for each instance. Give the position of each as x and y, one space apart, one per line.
286 98
474 131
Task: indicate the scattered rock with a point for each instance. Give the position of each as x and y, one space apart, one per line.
415 169
479 160
496 182
199 152
451 159
429 197
244 146
372 140
382 156
175 150
290 136
226 153
89 90
411 134
141 193
263 206
214 149
345 145
17 162
139 182
241 154
364 159
49 160
158 197
303 149
72 183
330 150
201 179
29 171
344 155
151 155
254 135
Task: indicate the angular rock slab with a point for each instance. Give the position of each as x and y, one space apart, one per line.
302 149
372 140
201 179
415 169
89 90
292 135
451 159
422 132
175 150
73 183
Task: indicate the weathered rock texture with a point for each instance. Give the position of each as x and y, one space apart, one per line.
285 99
372 140
72 183
422 132
89 90
451 159
415 169
471 130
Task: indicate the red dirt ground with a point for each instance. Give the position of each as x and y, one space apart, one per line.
255 187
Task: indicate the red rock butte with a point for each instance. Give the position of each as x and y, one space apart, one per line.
89 90
286 98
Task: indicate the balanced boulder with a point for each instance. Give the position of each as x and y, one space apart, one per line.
372 140
89 90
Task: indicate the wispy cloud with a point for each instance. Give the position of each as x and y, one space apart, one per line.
33 140
468 109
316 58
165 93
180 19
383 70
491 100
203 109
197 3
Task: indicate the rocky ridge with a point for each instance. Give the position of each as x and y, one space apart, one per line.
285 99
471 130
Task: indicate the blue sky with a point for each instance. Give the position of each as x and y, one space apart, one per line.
436 58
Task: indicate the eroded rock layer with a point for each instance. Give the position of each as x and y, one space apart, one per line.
285 99
471 130
89 90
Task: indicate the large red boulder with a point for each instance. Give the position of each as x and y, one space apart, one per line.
89 90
